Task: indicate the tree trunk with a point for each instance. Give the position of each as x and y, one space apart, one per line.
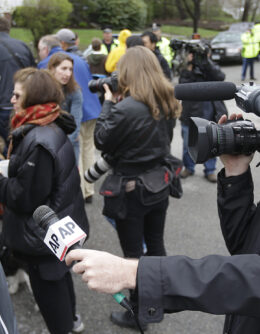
246 11
181 10
194 13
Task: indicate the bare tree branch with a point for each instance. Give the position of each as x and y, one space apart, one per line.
181 10
188 9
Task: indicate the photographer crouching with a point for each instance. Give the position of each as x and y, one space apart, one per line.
198 68
136 133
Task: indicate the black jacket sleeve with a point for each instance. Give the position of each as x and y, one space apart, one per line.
22 193
111 128
237 213
165 68
213 284
213 72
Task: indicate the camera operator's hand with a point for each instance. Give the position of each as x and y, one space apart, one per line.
234 164
108 94
103 272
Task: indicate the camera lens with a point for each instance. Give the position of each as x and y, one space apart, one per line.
96 85
208 139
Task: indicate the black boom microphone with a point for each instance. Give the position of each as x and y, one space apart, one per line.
205 91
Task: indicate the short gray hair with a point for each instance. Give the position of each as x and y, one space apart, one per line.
51 41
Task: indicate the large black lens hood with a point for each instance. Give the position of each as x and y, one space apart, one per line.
199 141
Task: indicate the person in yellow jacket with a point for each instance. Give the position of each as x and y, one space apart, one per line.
249 52
163 44
114 56
256 30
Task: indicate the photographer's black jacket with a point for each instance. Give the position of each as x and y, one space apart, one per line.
214 284
128 132
211 72
239 218
163 62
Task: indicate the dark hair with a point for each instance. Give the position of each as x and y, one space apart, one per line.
55 60
153 38
39 87
96 44
133 41
5 24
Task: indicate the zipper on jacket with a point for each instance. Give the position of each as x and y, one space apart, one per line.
228 324
3 325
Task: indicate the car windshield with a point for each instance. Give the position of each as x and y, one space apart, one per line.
227 38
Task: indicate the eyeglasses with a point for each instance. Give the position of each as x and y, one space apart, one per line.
16 95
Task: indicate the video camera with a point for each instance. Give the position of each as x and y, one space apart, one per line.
199 50
208 139
96 85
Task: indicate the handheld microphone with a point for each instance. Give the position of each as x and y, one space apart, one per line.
205 91
63 235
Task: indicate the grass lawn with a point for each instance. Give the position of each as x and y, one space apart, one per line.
86 35
186 32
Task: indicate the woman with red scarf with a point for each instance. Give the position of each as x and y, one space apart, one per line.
42 171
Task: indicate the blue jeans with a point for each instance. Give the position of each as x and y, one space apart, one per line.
247 62
210 165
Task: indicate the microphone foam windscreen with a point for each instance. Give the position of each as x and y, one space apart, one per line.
205 91
40 212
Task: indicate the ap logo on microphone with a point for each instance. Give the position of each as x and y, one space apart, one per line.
62 235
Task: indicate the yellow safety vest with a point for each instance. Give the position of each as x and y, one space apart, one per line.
114 44
250 45
165 49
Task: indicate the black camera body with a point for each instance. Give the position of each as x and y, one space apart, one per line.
96 85
199 50
208 139
248 98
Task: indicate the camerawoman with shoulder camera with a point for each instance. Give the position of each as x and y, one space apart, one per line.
136 133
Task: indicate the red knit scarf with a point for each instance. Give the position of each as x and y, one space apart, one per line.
41 114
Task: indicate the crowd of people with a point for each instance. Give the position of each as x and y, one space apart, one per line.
52 125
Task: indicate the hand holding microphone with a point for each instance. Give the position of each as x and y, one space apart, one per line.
60 234
103 272
63 235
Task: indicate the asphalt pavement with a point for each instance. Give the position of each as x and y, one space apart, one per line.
192 229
